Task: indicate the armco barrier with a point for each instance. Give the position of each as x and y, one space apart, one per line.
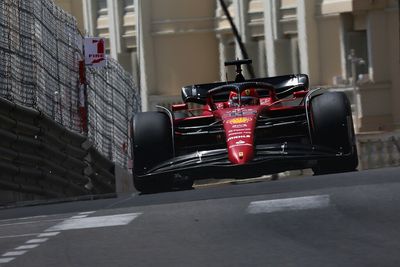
40 159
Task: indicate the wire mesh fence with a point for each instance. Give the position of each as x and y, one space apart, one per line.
39 68
108 105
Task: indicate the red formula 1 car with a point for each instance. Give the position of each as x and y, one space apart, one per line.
244 128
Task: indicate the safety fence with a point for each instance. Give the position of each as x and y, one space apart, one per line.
40 159
109 104
40 50
39 59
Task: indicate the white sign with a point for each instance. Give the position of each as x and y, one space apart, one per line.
95 55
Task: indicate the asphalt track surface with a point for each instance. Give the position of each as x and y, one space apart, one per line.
349 219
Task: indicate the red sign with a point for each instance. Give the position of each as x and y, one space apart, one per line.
95 55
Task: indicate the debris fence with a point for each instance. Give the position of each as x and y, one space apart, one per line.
40 50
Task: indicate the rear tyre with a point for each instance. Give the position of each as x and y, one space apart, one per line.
152 144
332 126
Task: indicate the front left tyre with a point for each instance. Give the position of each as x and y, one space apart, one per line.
332 127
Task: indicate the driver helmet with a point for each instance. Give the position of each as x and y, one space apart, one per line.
248 97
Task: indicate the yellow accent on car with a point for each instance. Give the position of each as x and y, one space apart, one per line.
239 120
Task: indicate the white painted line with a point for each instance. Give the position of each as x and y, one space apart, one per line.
21 223
86 212
48 234
298 203
94 222
6 260
37 240
24 218
27 247
78 216
14 253
15 236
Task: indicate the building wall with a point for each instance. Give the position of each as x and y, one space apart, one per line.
181 42
73 7
178 47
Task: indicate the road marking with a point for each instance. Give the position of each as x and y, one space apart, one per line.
81 221
22 223
25 218
297 203
14 253
15 236
48 234
86 212
37 240
94 222
27 247
6 260
78 217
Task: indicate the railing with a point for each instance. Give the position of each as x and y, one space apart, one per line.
379 150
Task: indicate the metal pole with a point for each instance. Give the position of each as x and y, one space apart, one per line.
85 118
238 38
356 96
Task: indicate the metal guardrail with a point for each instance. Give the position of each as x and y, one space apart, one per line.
40 159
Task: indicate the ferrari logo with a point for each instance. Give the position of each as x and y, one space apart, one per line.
239 120
247 91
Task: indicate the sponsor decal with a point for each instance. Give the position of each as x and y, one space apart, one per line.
239 131
233 146
239 120
239 126
238 137
241 142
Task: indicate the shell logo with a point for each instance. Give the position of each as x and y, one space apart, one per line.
239 120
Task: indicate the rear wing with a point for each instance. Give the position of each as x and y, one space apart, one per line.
284 86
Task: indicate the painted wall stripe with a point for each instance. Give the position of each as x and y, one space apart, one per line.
94 222
298 203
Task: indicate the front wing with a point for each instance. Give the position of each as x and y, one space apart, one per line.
268 159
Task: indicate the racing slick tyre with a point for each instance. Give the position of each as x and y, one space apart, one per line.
332 126
152 144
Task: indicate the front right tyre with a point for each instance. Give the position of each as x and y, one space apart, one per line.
152 144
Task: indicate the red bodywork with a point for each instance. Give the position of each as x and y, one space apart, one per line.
239 123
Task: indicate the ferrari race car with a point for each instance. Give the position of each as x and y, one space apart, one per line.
243 128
